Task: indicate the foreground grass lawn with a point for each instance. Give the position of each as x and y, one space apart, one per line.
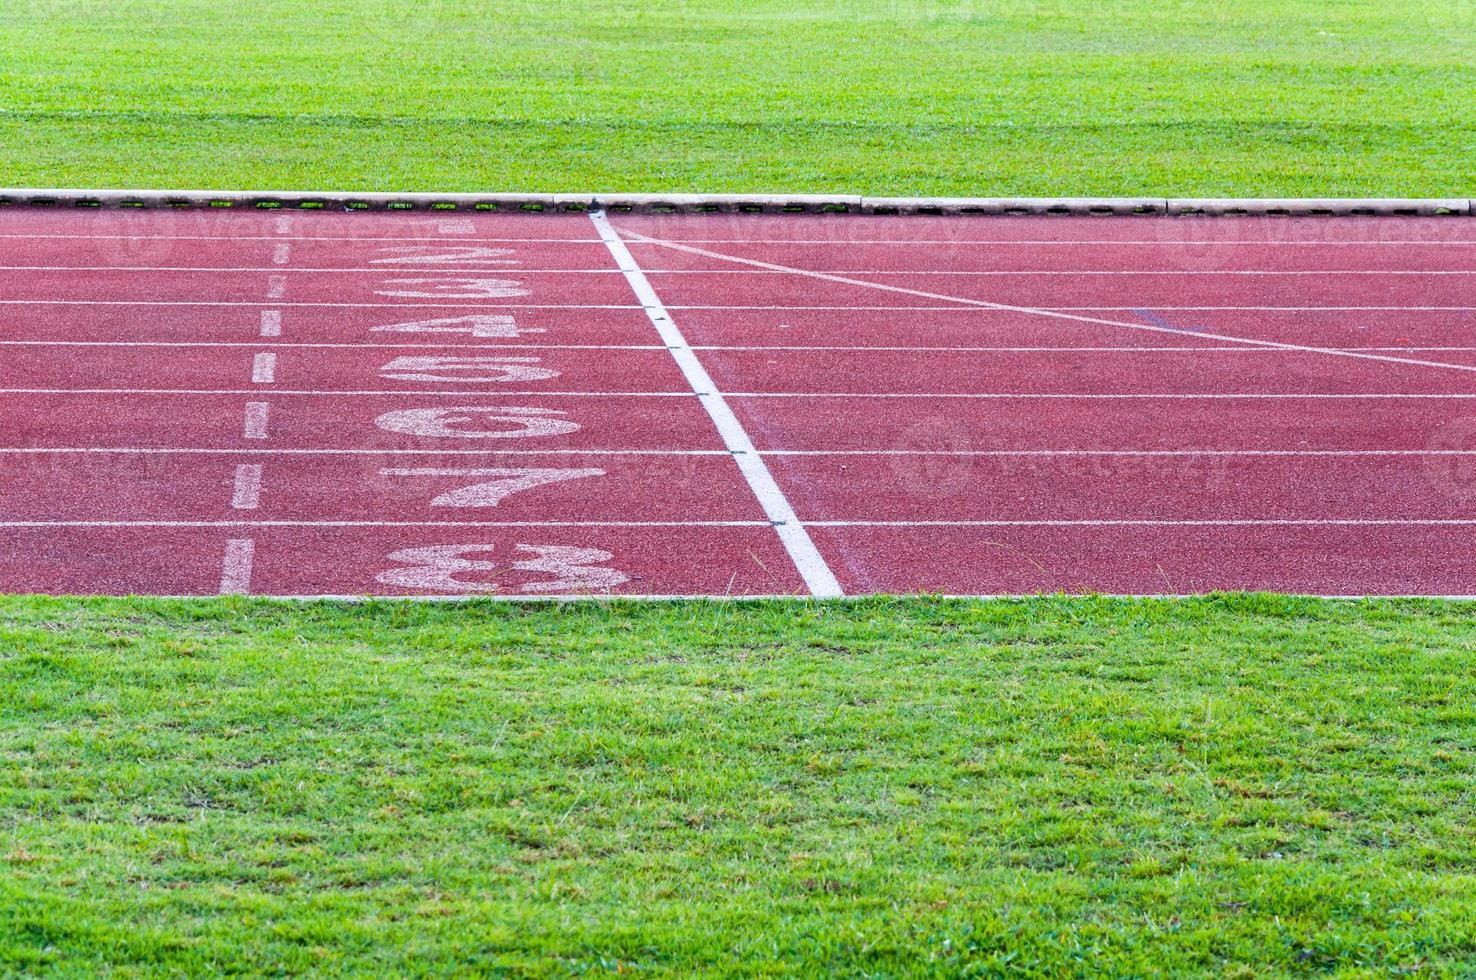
1239 786
1197 97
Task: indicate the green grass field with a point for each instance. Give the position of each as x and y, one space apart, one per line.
1249 786
963 97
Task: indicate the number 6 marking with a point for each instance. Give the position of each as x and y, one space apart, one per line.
434 568
442 422
492 492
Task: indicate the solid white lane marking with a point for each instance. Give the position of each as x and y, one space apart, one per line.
877 308
284 523
817 575
350 270
359 306
276 287
281 253
206 451
1054 314
833 242
778 348
247 494
298 238
257 415
1208 522
235 572
264 368
271 323
857 395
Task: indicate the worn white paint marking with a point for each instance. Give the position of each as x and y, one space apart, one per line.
457 226
467 370
281 253
476 325
1053 314
436 568
264 368
472 422
453 287
257 415
235 571
247 494
817 575
276 287
444 255
490 493
271 323
283 224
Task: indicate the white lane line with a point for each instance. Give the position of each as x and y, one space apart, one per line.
235 571
298 238
247 494
271 323
352 393
257 416
1056 314
245 523
639 347
276 287
349 270
1209 522
351 306
495 453
877 308
282 253
264 368
714 395
777 348
818 577
832 242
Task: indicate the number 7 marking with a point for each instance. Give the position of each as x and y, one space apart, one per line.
490 493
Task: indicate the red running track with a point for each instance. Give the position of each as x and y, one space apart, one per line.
299 404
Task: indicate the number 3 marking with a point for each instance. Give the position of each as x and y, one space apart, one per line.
435 568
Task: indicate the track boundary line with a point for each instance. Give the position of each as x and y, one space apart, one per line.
811 565
773 203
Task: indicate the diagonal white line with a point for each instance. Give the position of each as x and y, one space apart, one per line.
807 559
1037 311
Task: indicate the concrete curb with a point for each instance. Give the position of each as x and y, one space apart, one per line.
730 203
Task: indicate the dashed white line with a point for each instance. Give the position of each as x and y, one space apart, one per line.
235 572
271 323
257 416
264 368
247 493
817 575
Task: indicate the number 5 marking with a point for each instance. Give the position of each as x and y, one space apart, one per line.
435 568
492 492
467 369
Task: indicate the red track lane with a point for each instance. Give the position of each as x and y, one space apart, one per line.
296 256
1036 291
277 420
350 421
350 561
204 323
338 369
391 288
973 327
1137 560
1092 424
1248 369
1129 487
377 487
1165 254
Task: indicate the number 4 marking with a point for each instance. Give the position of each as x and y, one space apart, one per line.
476 324
435 568
490 493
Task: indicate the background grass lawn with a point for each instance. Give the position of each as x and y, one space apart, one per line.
1236 785
971 97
